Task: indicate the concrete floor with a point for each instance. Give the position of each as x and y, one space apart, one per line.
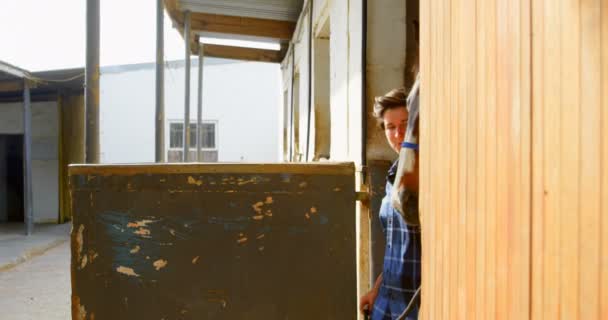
16 247
38 288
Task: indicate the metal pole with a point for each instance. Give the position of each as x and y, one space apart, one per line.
292 106
199 120
310 35
160 86
91 97
364 138
27 159
187 91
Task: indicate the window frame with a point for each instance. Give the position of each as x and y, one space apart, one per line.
177 121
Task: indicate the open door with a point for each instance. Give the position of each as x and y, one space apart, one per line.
11 178
214 241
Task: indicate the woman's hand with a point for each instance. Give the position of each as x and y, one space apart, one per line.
367 301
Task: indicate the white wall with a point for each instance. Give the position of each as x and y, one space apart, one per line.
243 97
341 139
386 58
344 78
45 165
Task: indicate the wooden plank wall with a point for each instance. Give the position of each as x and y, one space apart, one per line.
515 158
570 160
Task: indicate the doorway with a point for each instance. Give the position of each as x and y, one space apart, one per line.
11 178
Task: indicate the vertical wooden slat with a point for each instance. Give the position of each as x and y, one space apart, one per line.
428 98
589 237
503 70
570 173
426 115
513 214
443 46
426 155
519 149
491 156
438 11
468 76
437 188
552 159
524 210
603 294
460 80
481 108
438 149
443 234
450 244
538 178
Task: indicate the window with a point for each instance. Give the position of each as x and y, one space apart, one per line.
208 142
208 135
176 138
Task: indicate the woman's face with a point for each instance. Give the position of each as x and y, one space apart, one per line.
395 123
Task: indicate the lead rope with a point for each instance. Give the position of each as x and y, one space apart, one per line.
410 306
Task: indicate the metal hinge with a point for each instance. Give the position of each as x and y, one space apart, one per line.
362 196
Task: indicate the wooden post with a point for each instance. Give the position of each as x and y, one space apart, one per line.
92 83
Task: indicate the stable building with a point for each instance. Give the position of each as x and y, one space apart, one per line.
41 132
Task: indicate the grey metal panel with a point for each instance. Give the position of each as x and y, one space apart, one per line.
45 148
214 242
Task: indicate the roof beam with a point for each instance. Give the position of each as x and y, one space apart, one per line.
13 71
274 29
232 25
241 53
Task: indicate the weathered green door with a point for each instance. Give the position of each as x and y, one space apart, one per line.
221 241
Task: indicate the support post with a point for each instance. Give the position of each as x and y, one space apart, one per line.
310 36
187 85
27 159
92 83
292 106
160 86
199 119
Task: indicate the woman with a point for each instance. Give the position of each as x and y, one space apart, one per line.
400 277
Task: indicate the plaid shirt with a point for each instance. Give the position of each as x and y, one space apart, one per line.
401 271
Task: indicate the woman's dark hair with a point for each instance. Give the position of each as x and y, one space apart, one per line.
395 98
